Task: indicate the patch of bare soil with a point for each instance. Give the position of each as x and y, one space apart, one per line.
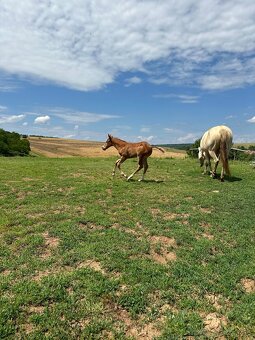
155 212
164 255
248 285
137 329
205 210
36 309
28 328
89 225
6 272
172 216
95 265
41 274
214 300
208 236
166 241
214 322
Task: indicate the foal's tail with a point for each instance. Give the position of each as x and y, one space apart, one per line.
224 156
158 147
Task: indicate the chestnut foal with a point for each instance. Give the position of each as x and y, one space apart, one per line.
141 150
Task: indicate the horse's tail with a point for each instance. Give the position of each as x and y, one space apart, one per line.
224 156
158 147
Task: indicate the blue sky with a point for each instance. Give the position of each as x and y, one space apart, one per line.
158 71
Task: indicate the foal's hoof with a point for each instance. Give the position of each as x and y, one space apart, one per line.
222 179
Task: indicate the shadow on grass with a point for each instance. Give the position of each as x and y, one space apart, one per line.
233 179
229 178
147 181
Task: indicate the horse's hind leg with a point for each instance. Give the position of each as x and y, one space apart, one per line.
145 168
140 165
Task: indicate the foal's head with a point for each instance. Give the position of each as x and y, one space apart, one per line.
108 142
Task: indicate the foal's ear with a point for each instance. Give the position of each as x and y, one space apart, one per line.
110 136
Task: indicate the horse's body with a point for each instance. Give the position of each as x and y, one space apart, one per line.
216 144
141 150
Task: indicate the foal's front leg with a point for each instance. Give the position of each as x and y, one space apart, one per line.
118 163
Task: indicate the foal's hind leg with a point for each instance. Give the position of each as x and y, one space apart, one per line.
140 165
145 168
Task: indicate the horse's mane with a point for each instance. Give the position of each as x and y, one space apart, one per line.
120 139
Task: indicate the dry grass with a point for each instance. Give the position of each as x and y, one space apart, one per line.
60 148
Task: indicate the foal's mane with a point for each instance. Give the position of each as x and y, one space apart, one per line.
119 139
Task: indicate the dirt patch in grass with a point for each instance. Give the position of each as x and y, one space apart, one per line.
28 328
41 274
89 225
136 329
36 309
155 212
205 225
214 300
205 210
159 251
248 285
214 322
164 240
172 216
92 264
164 257
6 272
50 243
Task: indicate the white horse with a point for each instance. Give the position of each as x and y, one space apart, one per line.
216 144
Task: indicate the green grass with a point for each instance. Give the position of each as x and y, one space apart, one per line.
86 256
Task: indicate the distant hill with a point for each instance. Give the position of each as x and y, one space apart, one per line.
60 147
177 146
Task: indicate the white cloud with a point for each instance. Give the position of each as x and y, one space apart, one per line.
76 127
251 120
86 44
148 139
42 119
133 80
3 108
25 124
11 119
74 117
145 129
183 98
188 138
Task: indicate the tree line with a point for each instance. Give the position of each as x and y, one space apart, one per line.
13 144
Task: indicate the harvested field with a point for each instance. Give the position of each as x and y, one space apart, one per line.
60 148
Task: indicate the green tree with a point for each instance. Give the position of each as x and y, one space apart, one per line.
12 144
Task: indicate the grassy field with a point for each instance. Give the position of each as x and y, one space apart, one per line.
86 256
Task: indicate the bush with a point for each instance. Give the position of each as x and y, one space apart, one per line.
12 144
193 152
